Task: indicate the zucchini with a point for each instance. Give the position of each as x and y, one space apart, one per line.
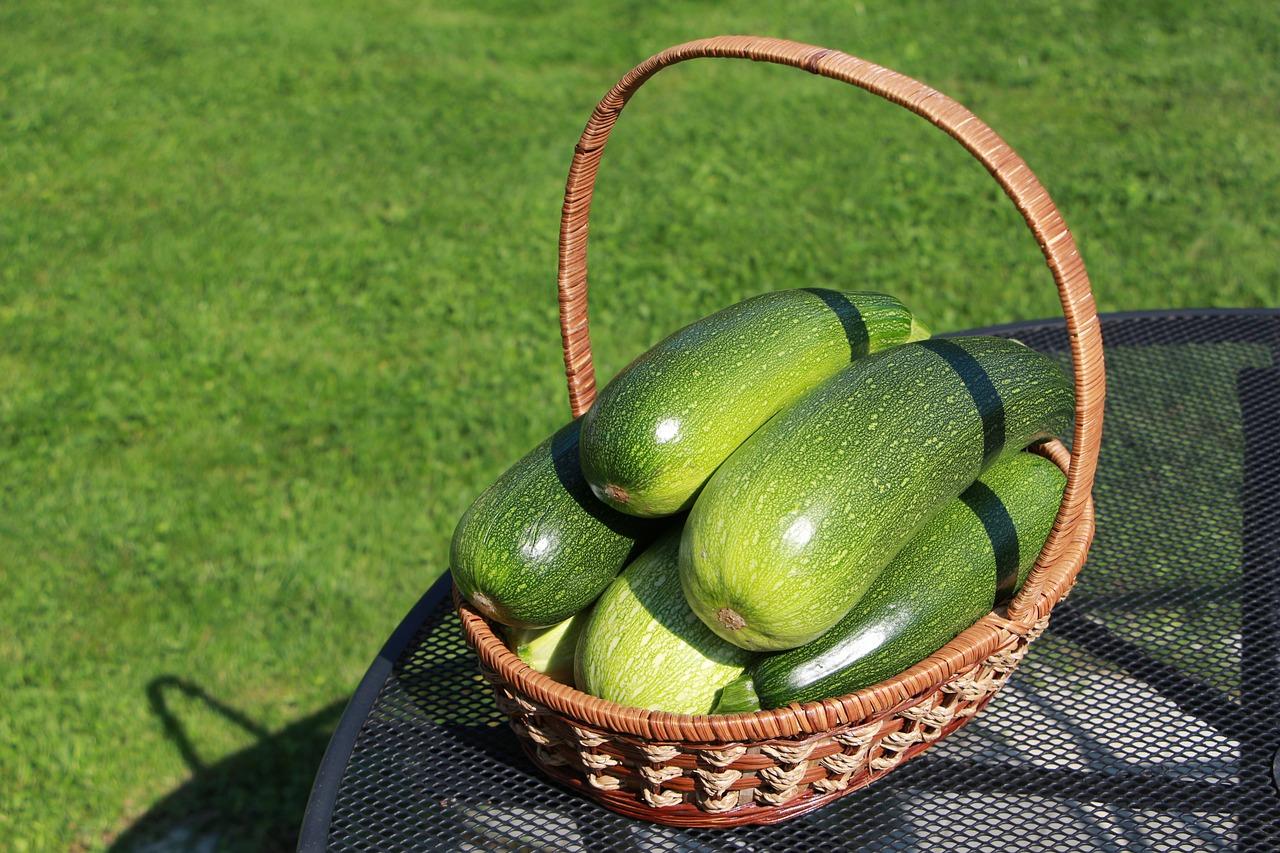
643 647
973 554
919 331
536 547
796 525
663 425
549 650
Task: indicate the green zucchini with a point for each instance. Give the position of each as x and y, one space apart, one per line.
919 331
977 550
536 547
663 425
549 650
643 647
796 525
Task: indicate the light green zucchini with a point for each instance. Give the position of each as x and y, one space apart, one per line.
797 524
977 550
643 647
667 420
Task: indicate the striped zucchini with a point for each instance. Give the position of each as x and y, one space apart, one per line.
663 425
796 525
977 550
643 647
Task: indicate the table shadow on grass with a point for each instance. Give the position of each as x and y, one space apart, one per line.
250 800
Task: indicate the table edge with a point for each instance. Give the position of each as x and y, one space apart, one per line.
1114 316
313 835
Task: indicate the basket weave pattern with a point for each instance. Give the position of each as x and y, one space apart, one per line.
689 782
764 767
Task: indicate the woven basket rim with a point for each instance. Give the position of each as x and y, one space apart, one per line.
979 642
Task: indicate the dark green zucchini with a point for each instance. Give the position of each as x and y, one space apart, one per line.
536 546
976 550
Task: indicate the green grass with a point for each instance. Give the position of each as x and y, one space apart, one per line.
277 296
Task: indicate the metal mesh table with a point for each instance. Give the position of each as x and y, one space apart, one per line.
1146 718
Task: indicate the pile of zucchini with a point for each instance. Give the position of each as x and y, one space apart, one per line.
793 498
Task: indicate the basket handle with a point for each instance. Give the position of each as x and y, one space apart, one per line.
1009 170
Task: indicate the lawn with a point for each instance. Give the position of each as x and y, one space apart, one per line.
277 300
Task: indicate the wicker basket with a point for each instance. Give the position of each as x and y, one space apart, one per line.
768 766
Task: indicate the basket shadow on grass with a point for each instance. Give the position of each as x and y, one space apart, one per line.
251 800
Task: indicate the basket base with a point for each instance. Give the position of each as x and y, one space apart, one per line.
686 815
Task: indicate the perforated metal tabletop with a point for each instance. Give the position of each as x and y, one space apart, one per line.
1146 718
